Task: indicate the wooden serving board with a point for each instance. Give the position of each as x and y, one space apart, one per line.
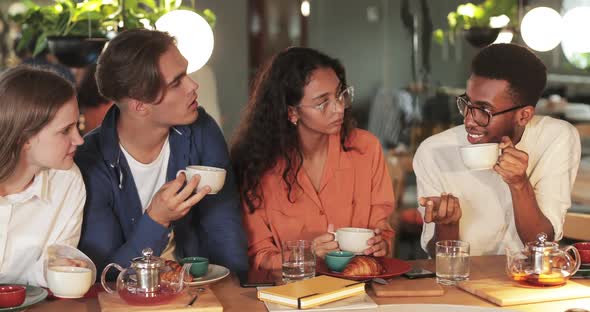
425 287
207 302
505 292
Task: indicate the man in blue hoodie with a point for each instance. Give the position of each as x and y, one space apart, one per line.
129 164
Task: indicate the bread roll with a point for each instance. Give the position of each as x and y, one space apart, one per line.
363 266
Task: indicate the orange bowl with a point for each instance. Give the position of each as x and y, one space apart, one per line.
584 250
12 295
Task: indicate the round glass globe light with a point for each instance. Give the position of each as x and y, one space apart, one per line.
575 43
541 29
194 37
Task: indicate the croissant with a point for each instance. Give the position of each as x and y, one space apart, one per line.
363 266
173 275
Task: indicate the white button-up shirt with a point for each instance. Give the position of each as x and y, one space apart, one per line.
487 220
47 212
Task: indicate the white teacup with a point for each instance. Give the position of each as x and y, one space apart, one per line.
69 281
353 239
212 176
480 156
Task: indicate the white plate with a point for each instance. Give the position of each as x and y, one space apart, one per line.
34 295
214 273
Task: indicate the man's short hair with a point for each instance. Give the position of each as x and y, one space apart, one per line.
524 71
128 67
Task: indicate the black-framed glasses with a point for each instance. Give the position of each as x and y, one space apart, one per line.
344 98
481 116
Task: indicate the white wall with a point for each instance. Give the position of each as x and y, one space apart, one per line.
230 58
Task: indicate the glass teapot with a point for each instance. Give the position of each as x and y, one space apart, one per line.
542 263
148 281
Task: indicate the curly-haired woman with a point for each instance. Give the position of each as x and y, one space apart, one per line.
301 164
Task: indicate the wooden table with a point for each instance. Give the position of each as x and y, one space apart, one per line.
235 298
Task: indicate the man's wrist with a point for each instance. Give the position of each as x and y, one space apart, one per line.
520 186
163 223
448 227
447 231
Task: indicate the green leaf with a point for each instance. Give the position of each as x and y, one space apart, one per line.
209 17
151 4
26 37
62 23
40 45
439 36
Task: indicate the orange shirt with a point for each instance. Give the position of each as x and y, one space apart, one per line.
355 191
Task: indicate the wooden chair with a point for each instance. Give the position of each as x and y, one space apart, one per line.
398 166
583 128
576 226
397 176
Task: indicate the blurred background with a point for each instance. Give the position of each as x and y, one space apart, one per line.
407 60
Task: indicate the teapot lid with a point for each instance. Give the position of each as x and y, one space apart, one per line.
148 261
541 243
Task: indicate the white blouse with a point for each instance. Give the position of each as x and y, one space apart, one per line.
49 211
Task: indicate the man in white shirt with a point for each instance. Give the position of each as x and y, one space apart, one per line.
528 190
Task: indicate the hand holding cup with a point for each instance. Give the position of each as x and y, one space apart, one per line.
325 243
379 246
171 203
512 164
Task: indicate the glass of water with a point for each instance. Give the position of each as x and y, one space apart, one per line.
452 261
298 260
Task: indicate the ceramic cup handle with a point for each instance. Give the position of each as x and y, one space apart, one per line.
103 276
335 235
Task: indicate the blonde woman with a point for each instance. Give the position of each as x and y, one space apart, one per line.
42 194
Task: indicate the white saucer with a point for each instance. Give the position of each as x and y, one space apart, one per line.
214 273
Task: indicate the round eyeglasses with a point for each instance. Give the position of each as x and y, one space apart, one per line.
481 116
344 98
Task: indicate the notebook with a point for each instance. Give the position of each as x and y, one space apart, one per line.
312 292
358 303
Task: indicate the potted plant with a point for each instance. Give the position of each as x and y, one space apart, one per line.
474 21
76 31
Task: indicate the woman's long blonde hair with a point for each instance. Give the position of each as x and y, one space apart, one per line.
29 99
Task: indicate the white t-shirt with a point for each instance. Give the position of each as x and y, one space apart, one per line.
487 222
47 212
149 178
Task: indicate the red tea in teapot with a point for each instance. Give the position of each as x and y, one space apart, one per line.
551 279
164 295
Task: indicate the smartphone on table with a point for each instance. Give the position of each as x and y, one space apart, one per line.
418 273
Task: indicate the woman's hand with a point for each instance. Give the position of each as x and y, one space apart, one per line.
69 262
379 246
325 243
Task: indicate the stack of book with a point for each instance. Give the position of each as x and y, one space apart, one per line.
312 292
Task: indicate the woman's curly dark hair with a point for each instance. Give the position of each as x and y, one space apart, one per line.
265 134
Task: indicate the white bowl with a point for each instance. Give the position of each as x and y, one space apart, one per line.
69 281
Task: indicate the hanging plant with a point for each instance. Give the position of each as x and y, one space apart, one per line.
91 19
477 18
